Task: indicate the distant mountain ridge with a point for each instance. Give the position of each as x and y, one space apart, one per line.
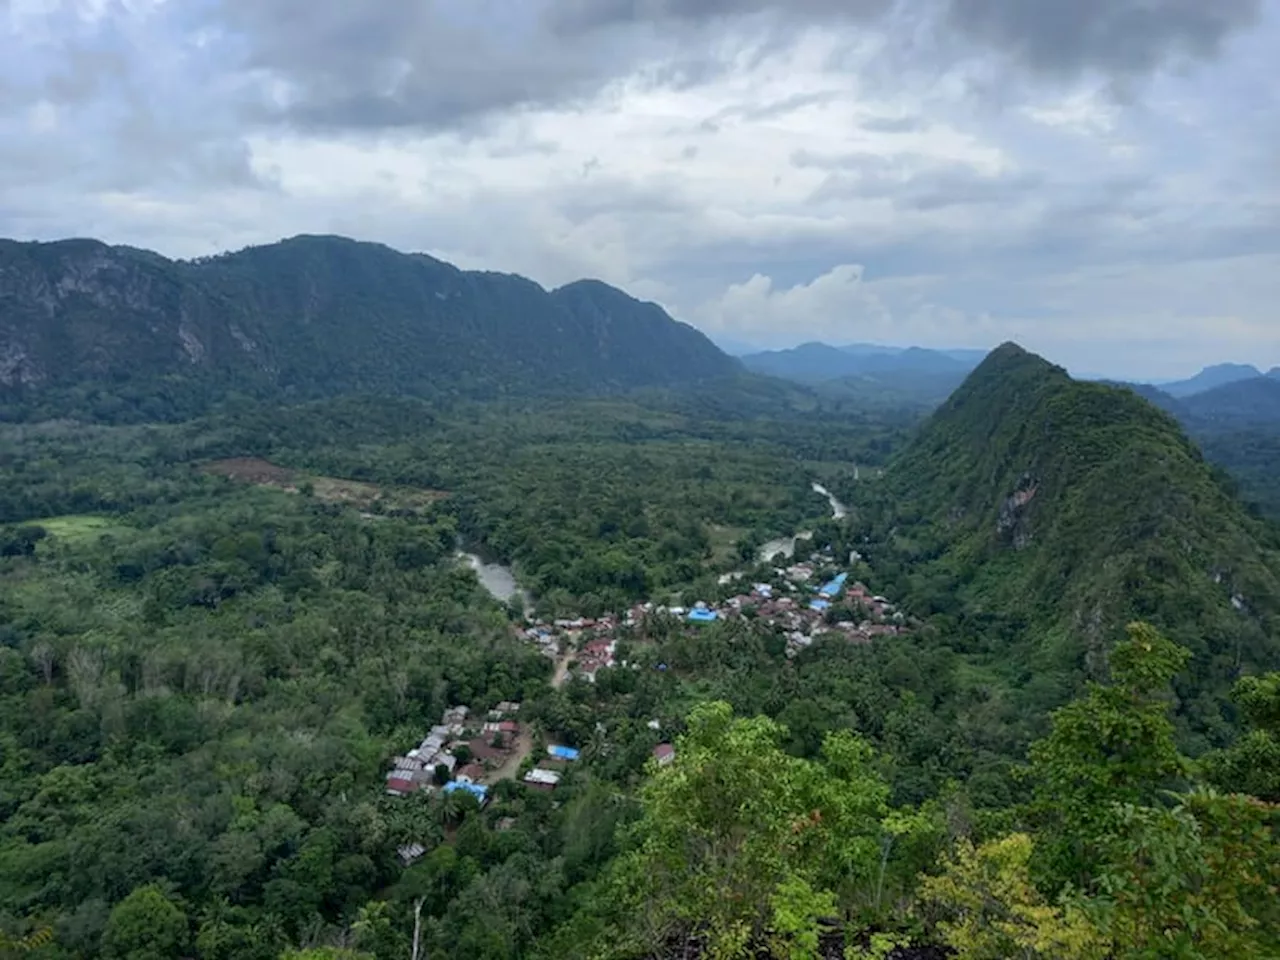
315 316
1066 509
1211 377
815 362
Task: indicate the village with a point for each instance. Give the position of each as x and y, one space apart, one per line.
807 601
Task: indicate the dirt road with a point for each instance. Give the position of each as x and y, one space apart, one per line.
524 742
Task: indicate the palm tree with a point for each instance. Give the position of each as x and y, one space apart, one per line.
598 746
41 937
453 806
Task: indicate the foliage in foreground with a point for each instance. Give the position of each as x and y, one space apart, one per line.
740 845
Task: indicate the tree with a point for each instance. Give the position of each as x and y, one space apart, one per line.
1197 880
1113 746
374 931
743 844
990 909
145 925
1252 764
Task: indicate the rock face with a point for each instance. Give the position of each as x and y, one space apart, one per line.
1012 523
315 316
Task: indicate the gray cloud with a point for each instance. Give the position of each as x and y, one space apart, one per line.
893 124
390 64
1119 37
1063 37
682 147
367 66
571 16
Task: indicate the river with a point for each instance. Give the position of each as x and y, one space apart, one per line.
497 579
787 545
838 509
501 582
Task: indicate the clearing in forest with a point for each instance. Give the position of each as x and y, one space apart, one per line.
264 473
76 527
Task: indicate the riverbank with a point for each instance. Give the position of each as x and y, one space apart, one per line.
786 546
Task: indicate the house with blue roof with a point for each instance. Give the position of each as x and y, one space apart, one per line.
477 790
833 588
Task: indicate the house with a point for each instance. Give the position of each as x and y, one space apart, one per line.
834 587
471 773
408 764
664 753
400 786
481 793
482 750
411 852
542 779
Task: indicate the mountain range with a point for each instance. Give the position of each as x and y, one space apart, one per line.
869 373
315 316
1211 378
816 362
1051 512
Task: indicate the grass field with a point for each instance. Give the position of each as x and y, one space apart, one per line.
76 528
724 542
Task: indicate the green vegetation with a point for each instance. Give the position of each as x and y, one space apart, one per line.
1035 516
125 335
76 528
204 674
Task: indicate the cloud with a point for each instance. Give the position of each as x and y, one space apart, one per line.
431 64
952 172
1117 37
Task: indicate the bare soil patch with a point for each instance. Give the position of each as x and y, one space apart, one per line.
251 470
264 473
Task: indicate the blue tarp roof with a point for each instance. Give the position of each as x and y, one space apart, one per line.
475 789
563 753
818 605
702 616
835 586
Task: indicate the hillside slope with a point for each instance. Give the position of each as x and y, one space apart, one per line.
1056 511
317 316
1243 403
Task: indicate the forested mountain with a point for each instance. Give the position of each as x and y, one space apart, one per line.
1047 513
1238 427
1242 403
316 316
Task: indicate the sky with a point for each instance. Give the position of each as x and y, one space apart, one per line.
1098 180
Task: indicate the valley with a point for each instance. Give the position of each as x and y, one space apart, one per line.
489 663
